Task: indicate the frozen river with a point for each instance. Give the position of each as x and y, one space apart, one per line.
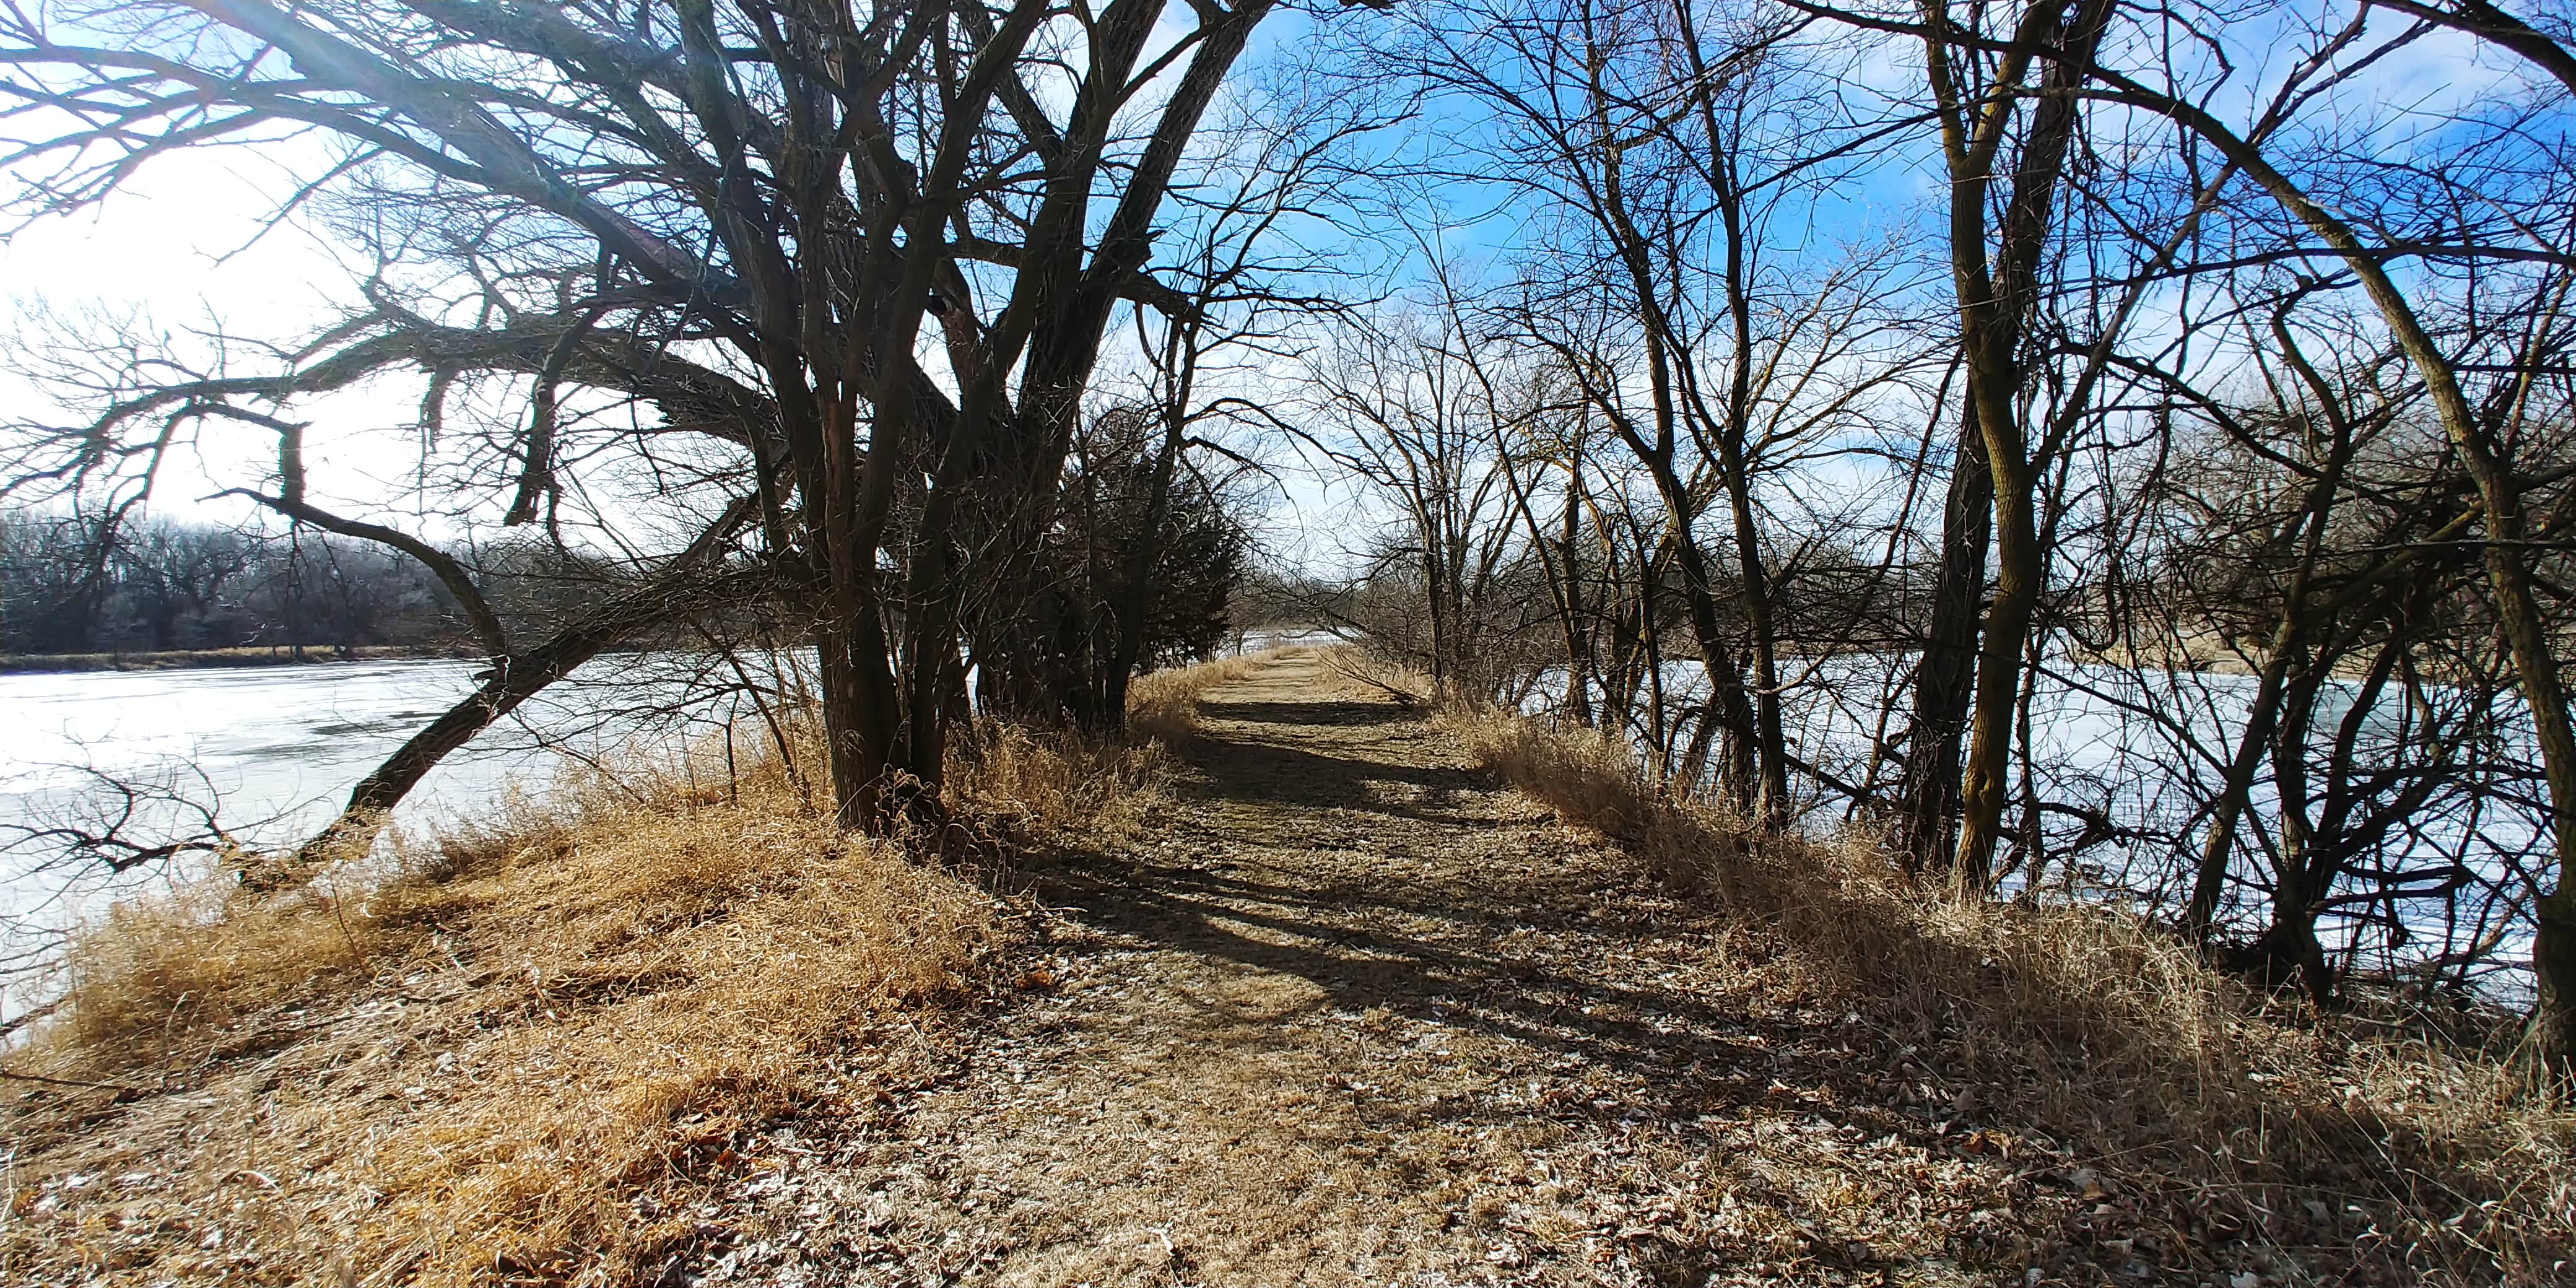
277 743
280 747
2128 760
276 749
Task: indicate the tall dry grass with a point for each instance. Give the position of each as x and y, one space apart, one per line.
526 1049
1031 790
1043 787
1164 705
521 1051
2099 1030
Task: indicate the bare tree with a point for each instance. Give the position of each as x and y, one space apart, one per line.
758 222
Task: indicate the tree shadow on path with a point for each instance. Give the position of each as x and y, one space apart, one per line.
1343 843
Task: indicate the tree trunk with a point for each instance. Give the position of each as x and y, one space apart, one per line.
1136 590
511 682
2218 844
1770 745
1928 796
1995 297
2019 563
2291 945
1732 708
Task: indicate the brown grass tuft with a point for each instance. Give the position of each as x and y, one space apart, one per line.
1040 788
1164 705
2114 1038
518 1058
1043 788
1589 779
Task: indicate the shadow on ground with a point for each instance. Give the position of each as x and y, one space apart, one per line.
1343 843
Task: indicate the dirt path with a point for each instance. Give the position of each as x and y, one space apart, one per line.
1355 1015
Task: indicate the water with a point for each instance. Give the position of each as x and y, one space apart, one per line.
275 750
272 752
275 743
278 748
2140 753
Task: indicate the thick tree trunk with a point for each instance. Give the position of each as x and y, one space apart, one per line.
1996 295
1770 743
1771 746
856 730
2553 964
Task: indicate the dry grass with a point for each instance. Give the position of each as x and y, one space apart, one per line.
1039 789
524 1050
1591 780
521 1055
546 1050
2247 1121
1043 788
1163 705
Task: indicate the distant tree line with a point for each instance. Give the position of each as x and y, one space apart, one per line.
159 587
70 584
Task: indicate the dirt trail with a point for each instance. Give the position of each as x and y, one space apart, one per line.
1353 1014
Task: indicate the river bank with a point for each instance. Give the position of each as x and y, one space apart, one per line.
1315 986
202 659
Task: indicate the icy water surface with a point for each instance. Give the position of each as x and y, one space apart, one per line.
2143 751
276 749
271 740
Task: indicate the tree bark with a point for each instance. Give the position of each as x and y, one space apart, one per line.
1928 795
1996 294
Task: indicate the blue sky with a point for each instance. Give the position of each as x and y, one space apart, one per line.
183 242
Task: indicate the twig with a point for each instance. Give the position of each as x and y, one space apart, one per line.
29 1016
1403 698
67 1082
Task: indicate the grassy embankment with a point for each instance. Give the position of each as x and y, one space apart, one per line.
524 1051
2244 1118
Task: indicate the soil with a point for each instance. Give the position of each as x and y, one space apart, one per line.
1350 1012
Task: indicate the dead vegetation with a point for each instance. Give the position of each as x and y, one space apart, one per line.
1032 789
519 1069
617 1033
1164 704
524 1051
2235 1118
1018 791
